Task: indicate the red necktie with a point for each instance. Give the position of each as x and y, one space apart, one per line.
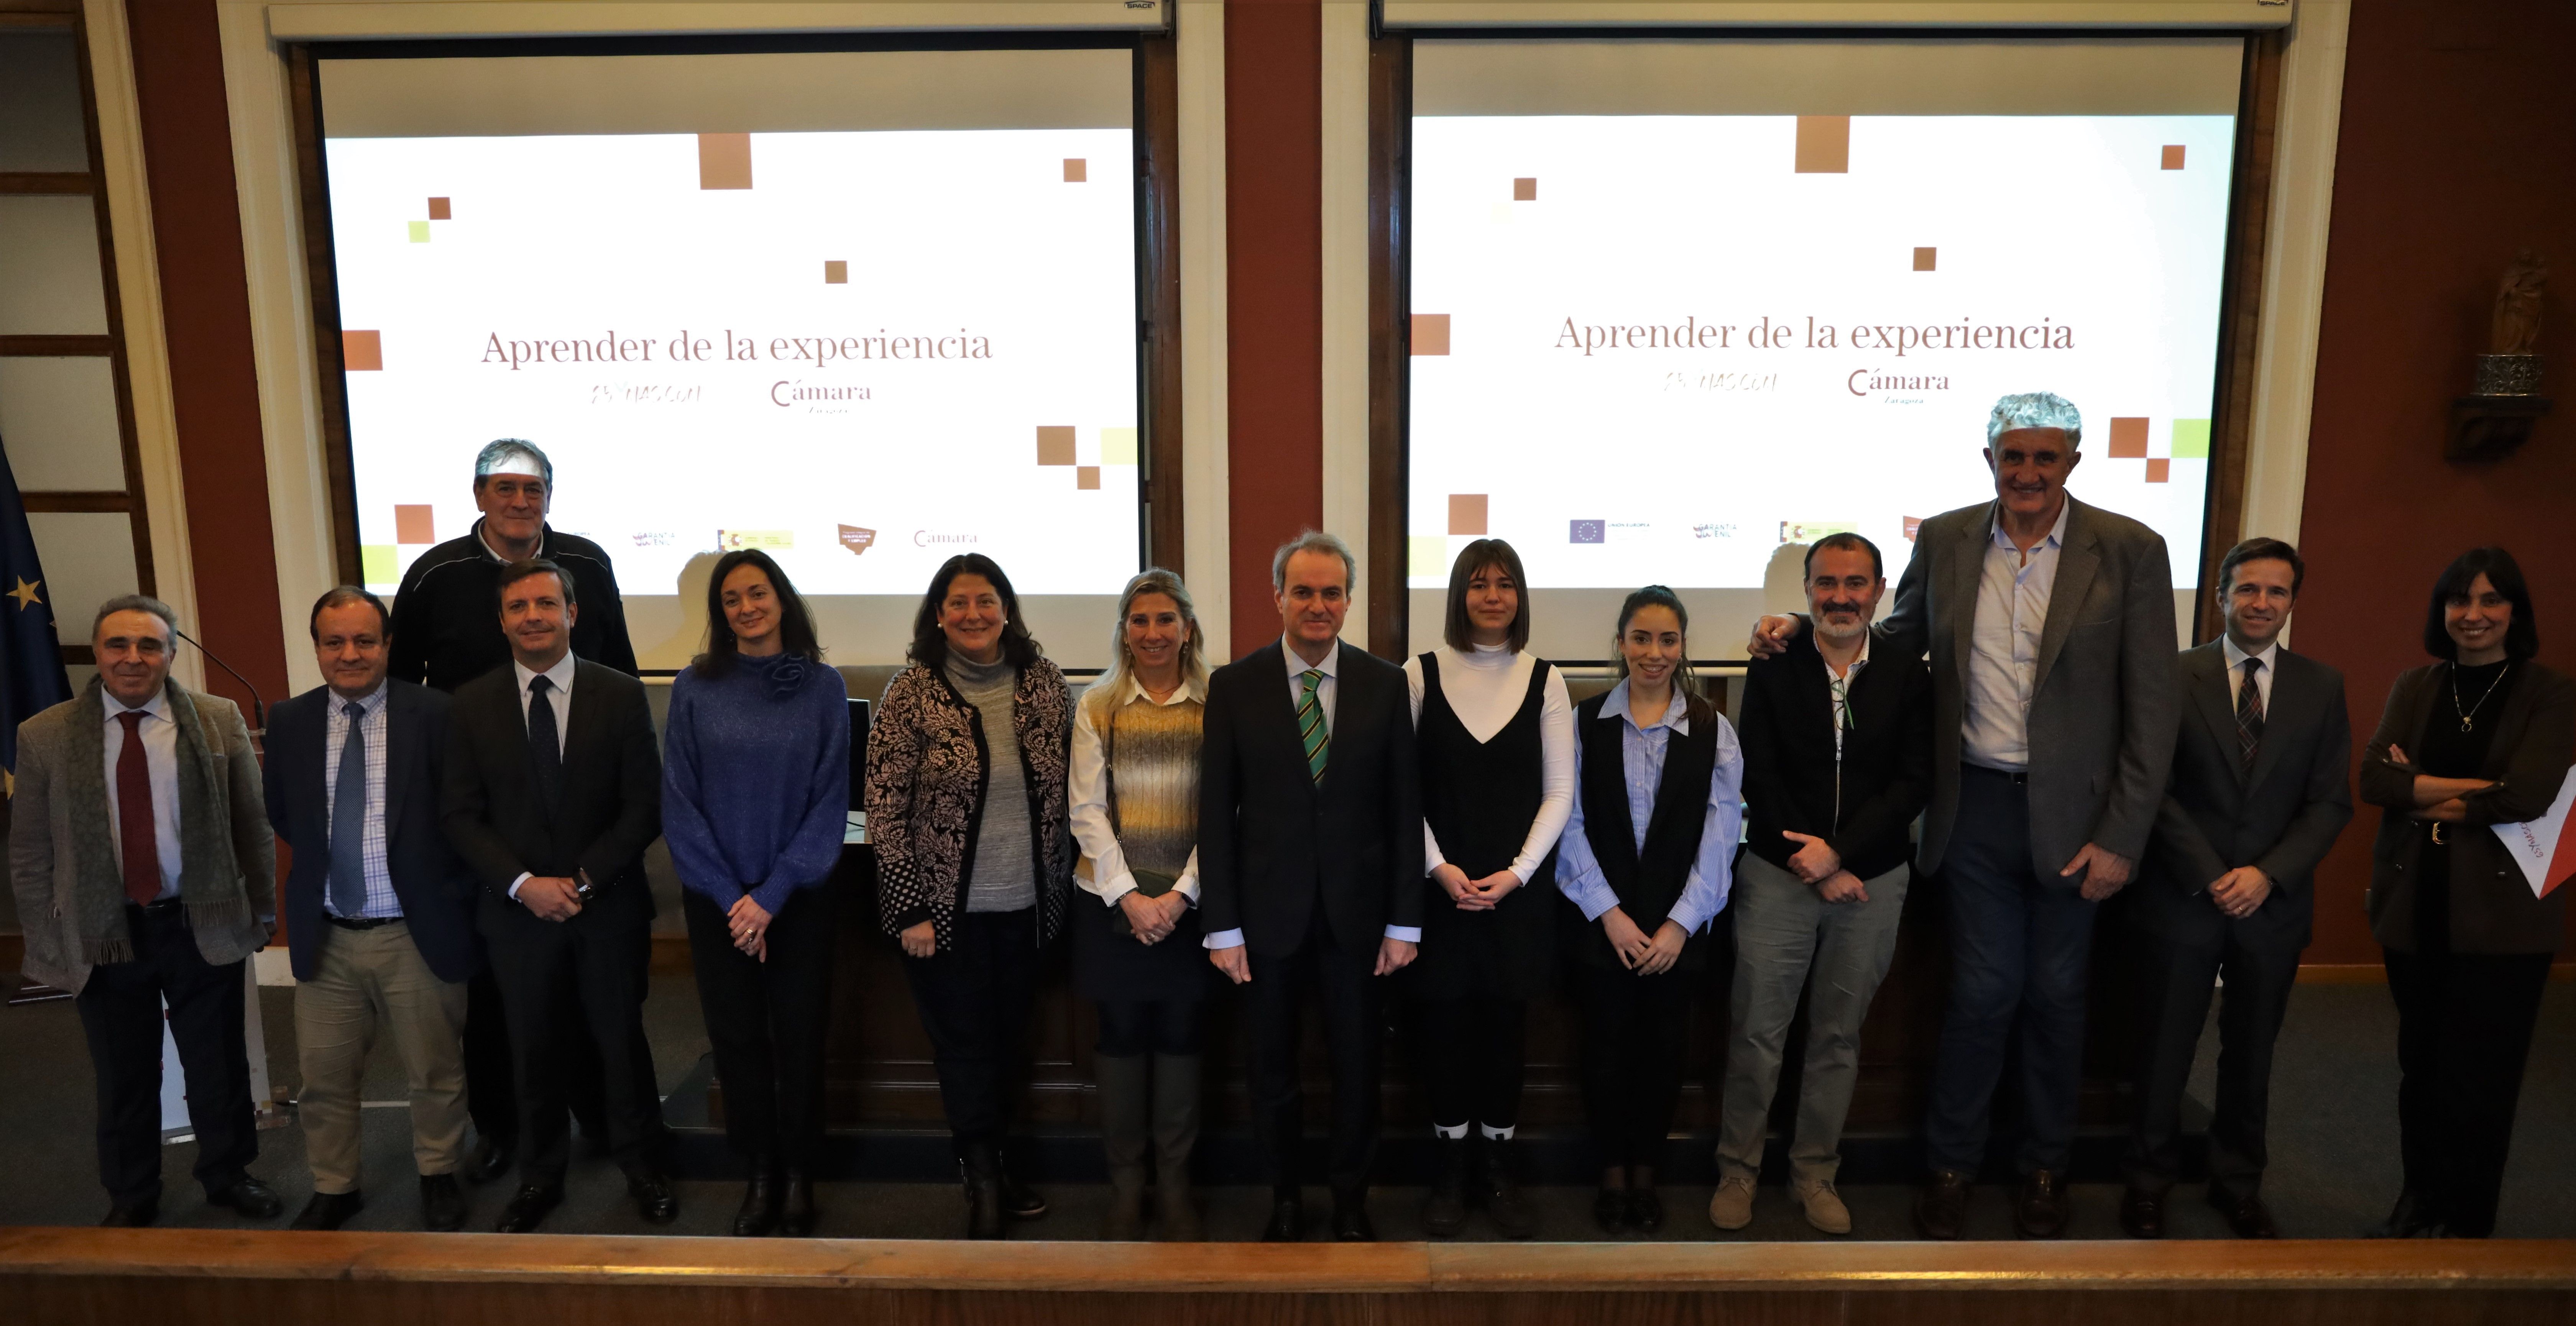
134 814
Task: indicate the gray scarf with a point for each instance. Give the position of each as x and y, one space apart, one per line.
210 883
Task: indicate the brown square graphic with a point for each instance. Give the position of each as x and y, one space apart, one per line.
2159 470
1431 333
1525 190
1086 476
2128 439
1055 445
1913 526
836 272
1924 259
1467 514
362 352
2173 156
724 161
1076 170
1824 144
438 209
412 525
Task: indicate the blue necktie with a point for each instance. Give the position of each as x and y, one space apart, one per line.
349 820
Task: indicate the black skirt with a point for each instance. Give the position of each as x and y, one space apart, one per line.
1110 966
1480 797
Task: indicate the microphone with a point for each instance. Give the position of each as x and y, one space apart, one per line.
258 706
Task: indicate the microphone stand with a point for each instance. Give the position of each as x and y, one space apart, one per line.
258 706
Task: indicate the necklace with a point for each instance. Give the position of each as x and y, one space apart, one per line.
2468 716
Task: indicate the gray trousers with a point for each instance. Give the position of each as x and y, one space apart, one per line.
1783 928
366 984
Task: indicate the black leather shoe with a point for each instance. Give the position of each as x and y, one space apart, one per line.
528 1207
655 1200
1350 1217
1610 1210
1498 1187
490 1160
2246 1215
764 1199
2040 1210
983 1176
1287 1221
796 1216
2412 1215
1645 1210
250 1197
329 1210
131 1215
1941 1210
1019 1201
1444 1208
2142 1214
442 1203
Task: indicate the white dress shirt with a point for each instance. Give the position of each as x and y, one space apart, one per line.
335 738
560 698
2236 657
1110 879
1838 684
160 736
2003 645
1484 689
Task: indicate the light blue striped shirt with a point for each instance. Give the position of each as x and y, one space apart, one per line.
335 738
1641 762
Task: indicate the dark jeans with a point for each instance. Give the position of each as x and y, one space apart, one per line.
974 1000
595 967
2174 987
1355 1032
2464 1024
1130 1027
2020 940
120 1013
1474 1055
765 1021
1632 1058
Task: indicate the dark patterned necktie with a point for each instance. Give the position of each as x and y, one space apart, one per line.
2249 716
545 749
1312 732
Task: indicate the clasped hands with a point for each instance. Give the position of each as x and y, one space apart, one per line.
1821 866
1473 895
1151 920
1639 954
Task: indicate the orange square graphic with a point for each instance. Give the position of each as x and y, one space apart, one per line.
1913 525
1824 144
412 525
2173 156
438 209
2128 439
1055 445
362 351
2159 470
1925 258
1086 476
1431 333
724 161
836 272
1525 190
1076 170
1467 514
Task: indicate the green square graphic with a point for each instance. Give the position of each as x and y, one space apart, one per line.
1118 446
420 232
1426 554
379 564
2190 439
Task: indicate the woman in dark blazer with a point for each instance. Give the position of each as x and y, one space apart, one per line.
967 770
2483 737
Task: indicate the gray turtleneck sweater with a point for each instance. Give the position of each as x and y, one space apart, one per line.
1005 876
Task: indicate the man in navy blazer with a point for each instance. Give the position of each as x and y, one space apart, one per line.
379 910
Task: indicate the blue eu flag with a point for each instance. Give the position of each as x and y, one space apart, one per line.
31 657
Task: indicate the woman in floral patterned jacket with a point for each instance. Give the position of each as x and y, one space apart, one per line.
967 764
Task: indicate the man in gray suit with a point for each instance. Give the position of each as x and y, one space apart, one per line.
2050 628
2261 787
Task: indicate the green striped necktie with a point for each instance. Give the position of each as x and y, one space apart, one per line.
1310 725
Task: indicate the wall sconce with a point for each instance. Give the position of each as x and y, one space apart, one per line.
2504 400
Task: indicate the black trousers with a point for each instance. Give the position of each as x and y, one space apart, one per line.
594 967
491 1091
765 1021
1354 1031
2464 1024
1130 1027
974 999
2173 982
1474 1055
120 1013
1633 1029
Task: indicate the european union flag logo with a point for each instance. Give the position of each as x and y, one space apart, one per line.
31 657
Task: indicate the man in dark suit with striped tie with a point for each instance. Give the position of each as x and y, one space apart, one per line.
2260 788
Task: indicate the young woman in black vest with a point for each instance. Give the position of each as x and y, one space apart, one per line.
1647 860
1496 735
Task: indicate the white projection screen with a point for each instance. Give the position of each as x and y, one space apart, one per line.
1682 306
865 310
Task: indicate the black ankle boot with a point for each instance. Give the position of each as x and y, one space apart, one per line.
1444 1209
982 1169
761 1199
1498 1187
796 1218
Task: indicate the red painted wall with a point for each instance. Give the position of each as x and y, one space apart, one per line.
205 305
1274 289
2458 146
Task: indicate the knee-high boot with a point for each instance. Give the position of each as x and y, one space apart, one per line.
1124 1106
1176 1134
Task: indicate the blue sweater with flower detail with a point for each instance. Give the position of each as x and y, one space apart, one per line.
756 779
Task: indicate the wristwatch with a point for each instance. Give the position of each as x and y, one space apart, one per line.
582 888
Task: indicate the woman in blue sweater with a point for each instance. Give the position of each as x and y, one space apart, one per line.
755 794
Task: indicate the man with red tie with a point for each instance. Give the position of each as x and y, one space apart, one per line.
146 873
